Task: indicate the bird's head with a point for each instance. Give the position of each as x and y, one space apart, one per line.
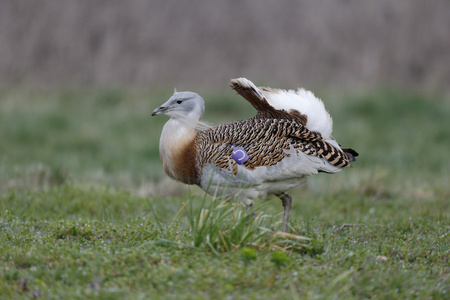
182 105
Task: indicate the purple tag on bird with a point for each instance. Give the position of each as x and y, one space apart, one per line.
239 155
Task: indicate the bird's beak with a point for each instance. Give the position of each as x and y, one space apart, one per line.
155 112
160 110
164 108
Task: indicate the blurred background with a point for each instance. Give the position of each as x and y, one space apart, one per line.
79 80
79 154
340 44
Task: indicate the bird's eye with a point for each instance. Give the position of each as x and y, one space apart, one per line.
179 101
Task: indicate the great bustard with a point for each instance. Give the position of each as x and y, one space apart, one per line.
288 140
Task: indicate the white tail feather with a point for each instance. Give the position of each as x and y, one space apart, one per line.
306 103
301 100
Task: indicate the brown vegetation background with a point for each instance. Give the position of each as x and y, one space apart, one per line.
136 43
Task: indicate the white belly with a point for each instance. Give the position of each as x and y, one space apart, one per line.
262 181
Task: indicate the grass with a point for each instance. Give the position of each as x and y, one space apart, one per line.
86 212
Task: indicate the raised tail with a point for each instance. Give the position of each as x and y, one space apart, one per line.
301 105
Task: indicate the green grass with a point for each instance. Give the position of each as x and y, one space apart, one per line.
86 211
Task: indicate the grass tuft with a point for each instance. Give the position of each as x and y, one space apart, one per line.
226 226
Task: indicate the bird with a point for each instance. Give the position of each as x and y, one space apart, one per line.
288 140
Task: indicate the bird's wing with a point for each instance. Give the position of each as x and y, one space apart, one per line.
266 142
256 97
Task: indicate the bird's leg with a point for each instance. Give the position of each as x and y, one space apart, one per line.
248 206
287 204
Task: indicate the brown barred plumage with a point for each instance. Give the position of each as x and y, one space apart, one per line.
265 141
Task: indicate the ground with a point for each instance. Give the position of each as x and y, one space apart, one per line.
87 212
